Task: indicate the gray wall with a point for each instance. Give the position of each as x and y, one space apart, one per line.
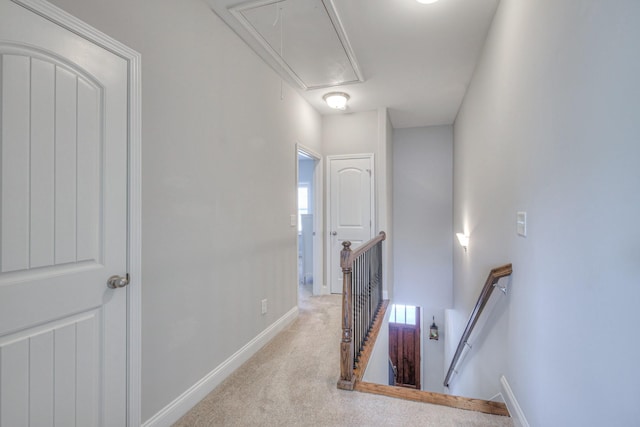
218 146
423 203
550 126
422 179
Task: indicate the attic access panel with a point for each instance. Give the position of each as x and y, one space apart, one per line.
305 38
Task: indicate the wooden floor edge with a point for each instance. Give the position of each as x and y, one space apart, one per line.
459 402
365 355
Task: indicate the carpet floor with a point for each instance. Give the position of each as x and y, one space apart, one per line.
292 382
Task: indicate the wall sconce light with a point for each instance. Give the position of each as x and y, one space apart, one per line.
337 100
433 330
464 240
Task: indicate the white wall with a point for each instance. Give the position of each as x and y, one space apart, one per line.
377 370
385 218
550 126
484 361
218 146
423 203
350 133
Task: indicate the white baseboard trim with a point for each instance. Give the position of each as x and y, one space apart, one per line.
187 400
513 407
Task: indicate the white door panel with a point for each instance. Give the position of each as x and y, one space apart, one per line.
63 204
351 202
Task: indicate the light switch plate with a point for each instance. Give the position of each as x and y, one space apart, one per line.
521 224
293 220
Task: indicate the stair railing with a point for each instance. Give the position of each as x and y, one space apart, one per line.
492 280
361 300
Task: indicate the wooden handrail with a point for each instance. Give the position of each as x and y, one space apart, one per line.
347 257
495 275
346 262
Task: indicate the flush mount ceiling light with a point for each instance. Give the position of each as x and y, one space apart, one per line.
426 1
336 100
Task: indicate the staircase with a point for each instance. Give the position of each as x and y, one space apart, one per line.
363 307
479 405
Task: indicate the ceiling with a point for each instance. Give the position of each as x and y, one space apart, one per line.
415 59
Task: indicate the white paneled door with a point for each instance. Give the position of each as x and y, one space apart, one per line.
350 208
63 208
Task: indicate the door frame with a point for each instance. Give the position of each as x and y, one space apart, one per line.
371 157
319 286
134 136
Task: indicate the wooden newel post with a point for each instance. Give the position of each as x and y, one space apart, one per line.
347 378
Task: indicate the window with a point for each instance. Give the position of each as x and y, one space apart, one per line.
403 314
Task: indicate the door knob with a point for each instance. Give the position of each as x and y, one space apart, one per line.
335 233
115 282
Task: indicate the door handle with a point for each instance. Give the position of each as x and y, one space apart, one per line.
115 282
334 233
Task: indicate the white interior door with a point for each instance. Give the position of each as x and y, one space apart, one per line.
350 208
63 205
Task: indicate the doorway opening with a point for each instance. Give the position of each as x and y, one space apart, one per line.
309 200
404 346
